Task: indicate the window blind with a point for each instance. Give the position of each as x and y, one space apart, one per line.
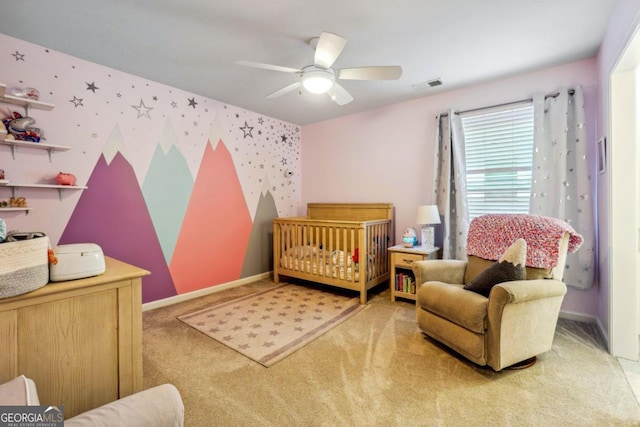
499 150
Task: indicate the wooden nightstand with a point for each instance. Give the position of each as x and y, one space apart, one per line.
401 280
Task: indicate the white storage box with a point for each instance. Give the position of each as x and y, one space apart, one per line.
24 266
77 261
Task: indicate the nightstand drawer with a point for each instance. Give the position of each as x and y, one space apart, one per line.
405 260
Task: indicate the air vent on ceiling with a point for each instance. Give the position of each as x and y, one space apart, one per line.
428 84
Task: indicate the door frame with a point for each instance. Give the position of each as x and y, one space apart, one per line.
624 232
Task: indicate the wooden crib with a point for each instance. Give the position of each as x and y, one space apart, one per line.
337 244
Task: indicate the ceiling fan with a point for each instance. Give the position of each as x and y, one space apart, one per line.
320 78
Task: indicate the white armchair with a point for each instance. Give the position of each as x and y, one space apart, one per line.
159 406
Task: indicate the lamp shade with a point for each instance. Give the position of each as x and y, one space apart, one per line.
318 81
428 214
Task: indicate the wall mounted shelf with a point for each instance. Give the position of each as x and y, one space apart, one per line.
28 104
25 103
26 209
60 188
14 144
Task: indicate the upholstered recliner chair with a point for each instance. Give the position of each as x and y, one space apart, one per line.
515 320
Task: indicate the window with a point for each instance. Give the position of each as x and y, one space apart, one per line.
499 151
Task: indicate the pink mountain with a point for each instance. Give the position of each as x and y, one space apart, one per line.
112 213
215 231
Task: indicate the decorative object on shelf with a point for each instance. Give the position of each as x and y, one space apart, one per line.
21 128
17 202
410 238
27 93
427 216
1 173
66 179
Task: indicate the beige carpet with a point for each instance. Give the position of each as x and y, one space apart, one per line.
270 325
376 369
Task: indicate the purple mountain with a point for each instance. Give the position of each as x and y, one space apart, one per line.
113 214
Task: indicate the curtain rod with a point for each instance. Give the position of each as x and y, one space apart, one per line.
551 95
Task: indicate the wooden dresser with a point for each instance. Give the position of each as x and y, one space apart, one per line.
80 340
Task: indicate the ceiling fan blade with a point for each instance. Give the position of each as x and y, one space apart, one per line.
285 89
328 49
371 73
339 95
268 66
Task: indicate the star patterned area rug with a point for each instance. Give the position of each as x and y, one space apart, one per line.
271 325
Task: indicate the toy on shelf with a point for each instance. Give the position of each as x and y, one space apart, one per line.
17 202
66 179
21 129
27 93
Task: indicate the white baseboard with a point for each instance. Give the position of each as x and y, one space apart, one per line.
605 334
206 291
587 318
579 317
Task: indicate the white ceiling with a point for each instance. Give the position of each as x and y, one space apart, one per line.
193 44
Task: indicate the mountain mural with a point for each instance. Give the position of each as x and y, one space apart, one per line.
167 189
259 255
158 161
215 230
112 213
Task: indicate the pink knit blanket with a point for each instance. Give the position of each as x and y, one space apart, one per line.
489 236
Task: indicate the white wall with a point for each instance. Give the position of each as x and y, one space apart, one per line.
623 24
386 155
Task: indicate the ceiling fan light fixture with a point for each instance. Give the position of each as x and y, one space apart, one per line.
318 81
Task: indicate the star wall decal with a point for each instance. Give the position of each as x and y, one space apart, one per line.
92 87
247 130
77 102
284 138
174 104
141 107
19 56
192 102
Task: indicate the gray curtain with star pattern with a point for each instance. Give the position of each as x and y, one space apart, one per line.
561 174
450 185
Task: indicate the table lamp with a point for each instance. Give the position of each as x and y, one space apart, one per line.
427 216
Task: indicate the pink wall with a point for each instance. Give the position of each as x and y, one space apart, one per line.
386 155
